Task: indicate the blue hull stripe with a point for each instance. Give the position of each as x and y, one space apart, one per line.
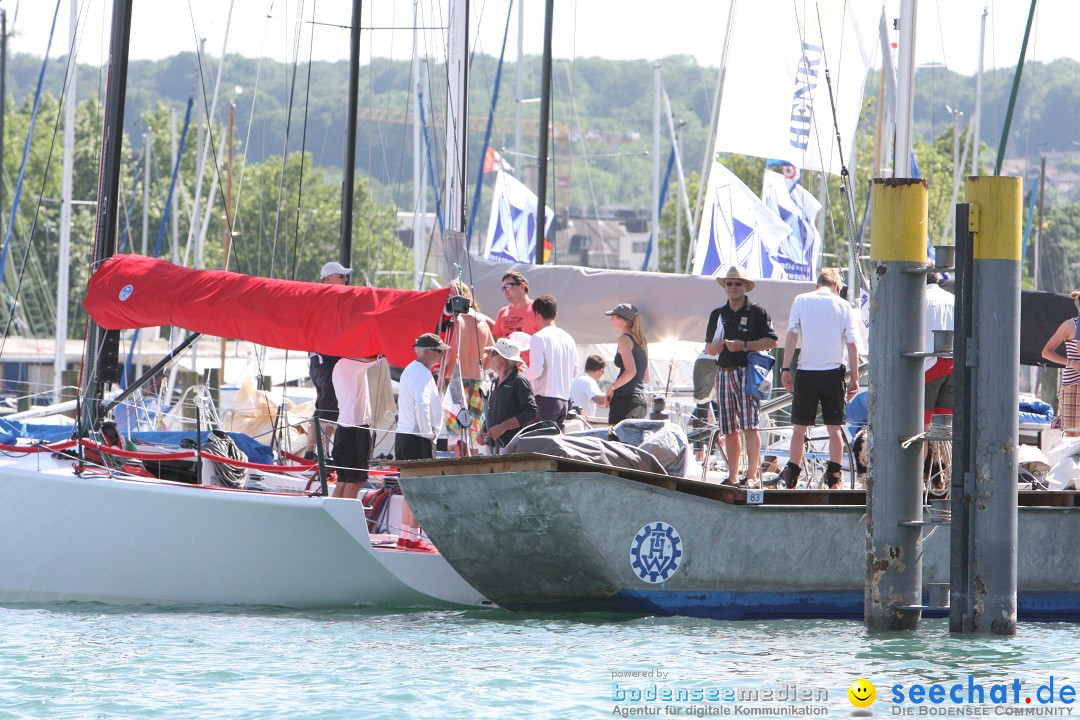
1032 606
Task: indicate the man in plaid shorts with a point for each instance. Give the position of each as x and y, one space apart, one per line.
735 329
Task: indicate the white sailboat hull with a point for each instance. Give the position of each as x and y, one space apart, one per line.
130 541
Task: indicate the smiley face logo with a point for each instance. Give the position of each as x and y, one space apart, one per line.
862 693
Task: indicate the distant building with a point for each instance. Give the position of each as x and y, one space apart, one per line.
616 239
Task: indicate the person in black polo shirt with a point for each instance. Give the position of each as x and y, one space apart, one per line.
734 329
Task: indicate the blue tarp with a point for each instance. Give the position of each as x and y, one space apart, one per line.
11 431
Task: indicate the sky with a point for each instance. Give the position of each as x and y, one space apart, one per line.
948 30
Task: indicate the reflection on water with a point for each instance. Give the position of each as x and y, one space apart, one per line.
93 660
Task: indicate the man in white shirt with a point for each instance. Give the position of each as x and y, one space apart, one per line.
937 372
419 403
585 392
824 321
552 362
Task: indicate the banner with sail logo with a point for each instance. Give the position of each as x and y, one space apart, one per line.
511 235
737 229
776 101
800 252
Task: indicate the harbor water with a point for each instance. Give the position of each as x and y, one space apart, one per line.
95 661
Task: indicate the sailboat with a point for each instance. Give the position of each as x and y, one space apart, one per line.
79 530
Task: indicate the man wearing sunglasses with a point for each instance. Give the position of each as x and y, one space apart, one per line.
735 329
517 315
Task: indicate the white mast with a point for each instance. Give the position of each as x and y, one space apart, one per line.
63 280
905 89
978 97
520 80
418 245
457 115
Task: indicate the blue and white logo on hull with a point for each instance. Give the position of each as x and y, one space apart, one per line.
655 552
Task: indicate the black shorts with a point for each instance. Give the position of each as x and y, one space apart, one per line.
412 447
812 386
352 453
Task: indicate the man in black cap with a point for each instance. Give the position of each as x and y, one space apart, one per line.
419 403
734 330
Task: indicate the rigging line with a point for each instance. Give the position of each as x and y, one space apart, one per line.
377 247
846 188
572 68
211 146
26 149
22 174
126 206
474 210
164 225
291 92
247 135
303 153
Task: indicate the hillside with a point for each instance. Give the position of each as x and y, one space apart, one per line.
604 106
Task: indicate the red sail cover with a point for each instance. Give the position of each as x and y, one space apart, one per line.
134 291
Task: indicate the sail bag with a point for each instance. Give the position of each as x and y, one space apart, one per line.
134 291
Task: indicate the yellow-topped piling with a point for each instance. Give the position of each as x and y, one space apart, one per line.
898 222
999 202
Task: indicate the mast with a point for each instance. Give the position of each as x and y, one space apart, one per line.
977 115
1015 89
63 255
349 165
905 89
457 115
545 117
710 151
520 79
417 149
102 346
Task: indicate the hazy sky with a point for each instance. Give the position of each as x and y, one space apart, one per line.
617 29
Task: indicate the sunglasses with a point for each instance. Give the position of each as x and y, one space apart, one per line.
507 286
435 350
733 283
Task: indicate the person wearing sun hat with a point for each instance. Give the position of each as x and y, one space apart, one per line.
419 403
734 330
511 404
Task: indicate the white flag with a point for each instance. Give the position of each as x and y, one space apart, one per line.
511 235
776 101
737 229
800 252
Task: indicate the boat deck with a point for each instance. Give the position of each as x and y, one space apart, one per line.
536 462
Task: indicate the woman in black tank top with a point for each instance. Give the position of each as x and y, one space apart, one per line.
626 396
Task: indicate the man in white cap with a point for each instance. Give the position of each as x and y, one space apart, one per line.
419 402
334 273
511 404
735 329
321 370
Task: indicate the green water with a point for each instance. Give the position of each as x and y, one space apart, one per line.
92 661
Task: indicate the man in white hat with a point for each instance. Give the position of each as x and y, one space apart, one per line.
419 402
735 329
334 273
511 404
321 370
